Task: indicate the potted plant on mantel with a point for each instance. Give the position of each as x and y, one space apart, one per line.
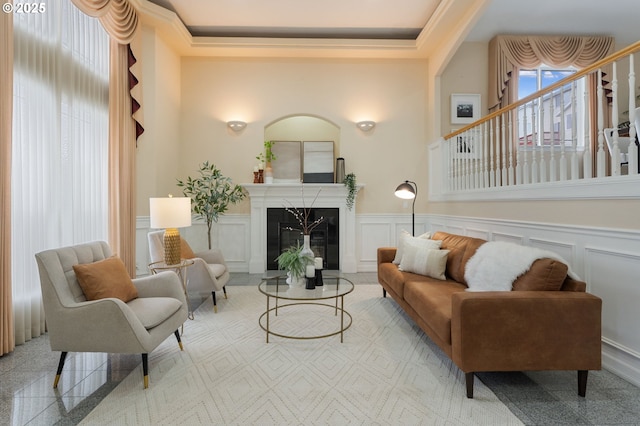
211 194
295 263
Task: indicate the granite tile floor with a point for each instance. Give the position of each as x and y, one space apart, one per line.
537 398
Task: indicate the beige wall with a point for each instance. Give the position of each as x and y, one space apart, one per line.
159 146
467 72
260 91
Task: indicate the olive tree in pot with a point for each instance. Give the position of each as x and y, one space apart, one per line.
211 194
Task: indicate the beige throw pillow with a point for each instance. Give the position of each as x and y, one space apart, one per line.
405 236
105 278
423 259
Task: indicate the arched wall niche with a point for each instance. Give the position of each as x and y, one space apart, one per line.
303 127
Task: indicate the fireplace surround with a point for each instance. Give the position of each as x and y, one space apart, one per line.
280 195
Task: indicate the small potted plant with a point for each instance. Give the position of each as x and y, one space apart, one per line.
295 263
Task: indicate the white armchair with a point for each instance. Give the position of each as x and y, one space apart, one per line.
106 325
208 273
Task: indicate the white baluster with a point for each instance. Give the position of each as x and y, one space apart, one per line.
615 155
633 130
526 172
575 173
519 159
510 171
563 134
600 159
587 160
555 137
541 135
535 172
503 137
487 143
477 146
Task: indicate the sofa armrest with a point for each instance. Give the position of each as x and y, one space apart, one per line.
386 254
526 330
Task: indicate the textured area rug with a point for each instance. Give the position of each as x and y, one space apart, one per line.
386 371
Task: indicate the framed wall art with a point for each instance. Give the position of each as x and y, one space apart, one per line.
465 108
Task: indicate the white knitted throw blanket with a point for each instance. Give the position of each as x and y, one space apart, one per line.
496 265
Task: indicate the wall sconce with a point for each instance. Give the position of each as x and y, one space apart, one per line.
366 126
236 125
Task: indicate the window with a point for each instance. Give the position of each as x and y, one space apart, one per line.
542 124
60 145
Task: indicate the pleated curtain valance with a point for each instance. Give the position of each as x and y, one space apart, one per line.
118 17
509 53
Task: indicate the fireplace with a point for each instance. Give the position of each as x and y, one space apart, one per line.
265 197
282 232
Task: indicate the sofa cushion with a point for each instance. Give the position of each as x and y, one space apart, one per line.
105 278
185 250
461 249
153 311
404 237
431 299
421 258
544 275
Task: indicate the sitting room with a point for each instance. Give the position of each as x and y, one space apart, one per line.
325 213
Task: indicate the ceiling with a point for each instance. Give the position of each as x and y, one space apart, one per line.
400 19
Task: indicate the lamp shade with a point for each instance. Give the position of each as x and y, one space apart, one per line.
170 212
405 191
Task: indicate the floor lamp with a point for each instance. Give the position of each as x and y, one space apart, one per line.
170 213
407 191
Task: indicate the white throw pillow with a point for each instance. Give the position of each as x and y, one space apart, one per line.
404 236
424 259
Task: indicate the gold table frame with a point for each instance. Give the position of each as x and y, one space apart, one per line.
335 287
181 270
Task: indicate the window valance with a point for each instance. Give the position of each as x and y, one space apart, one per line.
508 53
118 17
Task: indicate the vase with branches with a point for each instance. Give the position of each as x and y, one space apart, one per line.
211 194
303 217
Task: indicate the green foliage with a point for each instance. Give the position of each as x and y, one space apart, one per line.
211 194
267 156
350 183
291 261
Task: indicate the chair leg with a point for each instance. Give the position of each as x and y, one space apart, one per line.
469 380
145 369
63 355
225 292
215 306
582 382
384 292
177 333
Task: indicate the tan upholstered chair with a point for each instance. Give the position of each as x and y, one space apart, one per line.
106 325
208 273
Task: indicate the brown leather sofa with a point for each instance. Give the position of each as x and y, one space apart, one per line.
515 330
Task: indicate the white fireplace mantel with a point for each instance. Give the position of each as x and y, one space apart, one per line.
280 195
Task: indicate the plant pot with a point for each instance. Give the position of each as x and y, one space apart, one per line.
295 281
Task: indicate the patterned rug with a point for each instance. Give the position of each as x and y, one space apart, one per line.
386 371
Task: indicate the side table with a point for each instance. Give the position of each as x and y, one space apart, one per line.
181 270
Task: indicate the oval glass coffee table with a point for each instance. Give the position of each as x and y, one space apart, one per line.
286 298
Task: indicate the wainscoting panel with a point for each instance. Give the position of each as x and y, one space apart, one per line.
507 238
565 250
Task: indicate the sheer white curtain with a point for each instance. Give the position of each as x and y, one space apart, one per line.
59 193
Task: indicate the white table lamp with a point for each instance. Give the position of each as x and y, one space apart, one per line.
170 213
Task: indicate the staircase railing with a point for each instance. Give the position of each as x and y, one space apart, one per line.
571 130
